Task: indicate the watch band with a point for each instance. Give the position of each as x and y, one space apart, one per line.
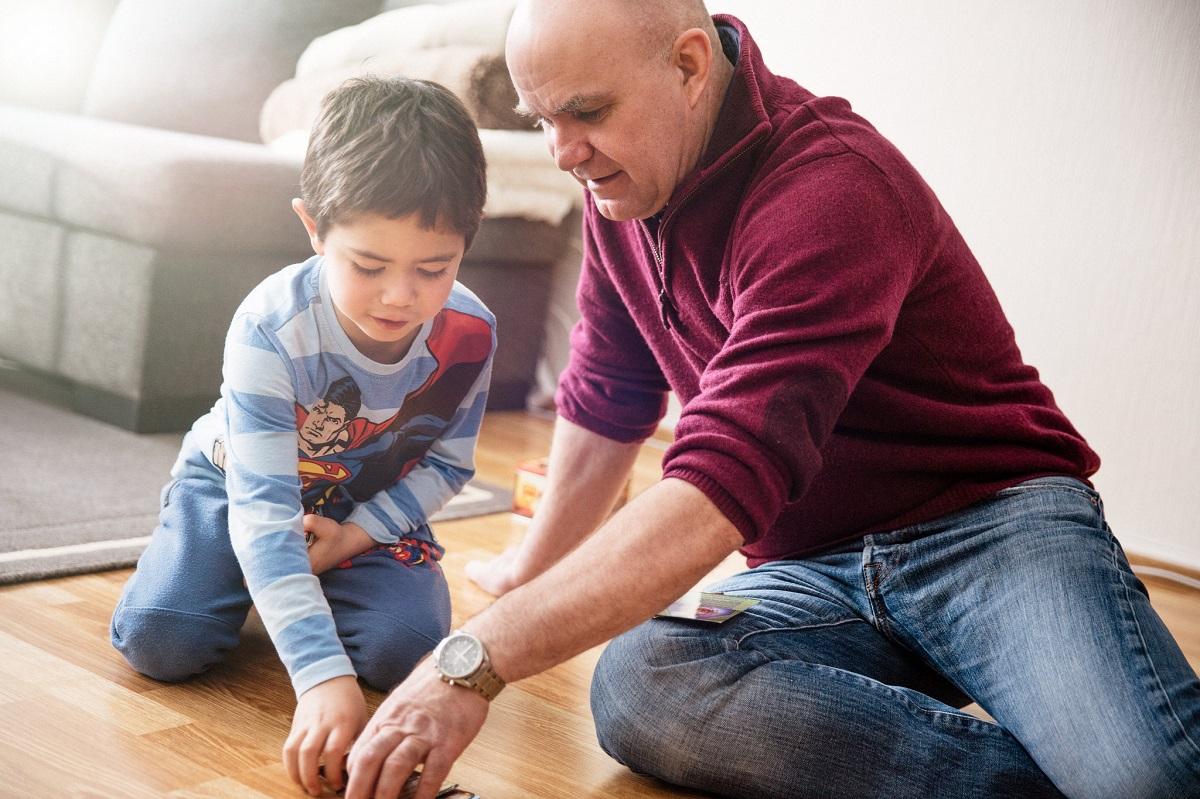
485 681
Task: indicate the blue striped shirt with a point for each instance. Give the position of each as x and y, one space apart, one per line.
309 424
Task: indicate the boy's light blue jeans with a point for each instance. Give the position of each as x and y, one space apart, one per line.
846 679
182 610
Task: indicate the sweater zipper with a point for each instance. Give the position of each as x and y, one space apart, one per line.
666 306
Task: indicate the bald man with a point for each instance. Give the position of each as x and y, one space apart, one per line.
857 420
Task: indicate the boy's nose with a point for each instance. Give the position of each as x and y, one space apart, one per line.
399 292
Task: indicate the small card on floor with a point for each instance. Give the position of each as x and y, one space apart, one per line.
705 606
448 791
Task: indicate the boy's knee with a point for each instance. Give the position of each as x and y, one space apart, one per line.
385 651
168 645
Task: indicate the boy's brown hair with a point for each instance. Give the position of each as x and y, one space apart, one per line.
394 146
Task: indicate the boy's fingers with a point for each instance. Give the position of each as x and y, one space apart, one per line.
335 757
290 749
309 758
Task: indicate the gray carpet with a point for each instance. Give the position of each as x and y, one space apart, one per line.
80 495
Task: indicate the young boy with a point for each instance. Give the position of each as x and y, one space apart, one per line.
354 385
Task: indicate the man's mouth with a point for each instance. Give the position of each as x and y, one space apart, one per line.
599 183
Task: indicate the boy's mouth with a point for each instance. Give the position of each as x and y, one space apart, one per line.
390 324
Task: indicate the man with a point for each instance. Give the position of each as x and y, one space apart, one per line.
857 420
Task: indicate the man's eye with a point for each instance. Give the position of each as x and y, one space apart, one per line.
542 123
590 116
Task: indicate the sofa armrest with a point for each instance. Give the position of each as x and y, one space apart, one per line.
161 188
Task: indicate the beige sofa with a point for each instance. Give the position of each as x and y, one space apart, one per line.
138 212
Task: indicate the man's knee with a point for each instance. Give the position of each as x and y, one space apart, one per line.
636 696
168 645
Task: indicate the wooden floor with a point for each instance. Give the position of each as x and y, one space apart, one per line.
76 721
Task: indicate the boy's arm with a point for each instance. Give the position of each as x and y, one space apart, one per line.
405 505
266 526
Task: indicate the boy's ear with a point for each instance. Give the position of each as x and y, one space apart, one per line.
310 225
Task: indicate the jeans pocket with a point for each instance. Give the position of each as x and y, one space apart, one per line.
1066 484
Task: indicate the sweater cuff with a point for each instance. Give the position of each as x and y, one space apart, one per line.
323 670
370 523
718 496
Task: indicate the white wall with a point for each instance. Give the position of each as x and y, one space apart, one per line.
1064 138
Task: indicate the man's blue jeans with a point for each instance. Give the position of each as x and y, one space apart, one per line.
846 679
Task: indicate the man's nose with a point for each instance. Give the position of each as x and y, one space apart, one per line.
568 145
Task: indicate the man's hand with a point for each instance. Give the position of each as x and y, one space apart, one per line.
424 720
328 717
333 542
499 575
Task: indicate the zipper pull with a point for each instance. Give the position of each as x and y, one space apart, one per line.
664 302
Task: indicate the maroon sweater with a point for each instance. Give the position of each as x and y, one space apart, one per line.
843 364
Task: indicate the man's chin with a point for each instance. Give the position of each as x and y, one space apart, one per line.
619 210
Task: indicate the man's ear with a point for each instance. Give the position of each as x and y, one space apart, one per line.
692 55
310 225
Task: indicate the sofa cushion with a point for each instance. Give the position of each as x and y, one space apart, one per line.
468 23
477 77
49 49
157 187
206 66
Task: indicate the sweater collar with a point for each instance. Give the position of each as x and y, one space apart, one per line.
742 121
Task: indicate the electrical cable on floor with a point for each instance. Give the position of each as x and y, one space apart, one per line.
1167 574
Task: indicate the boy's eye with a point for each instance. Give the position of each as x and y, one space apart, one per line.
366 272
432 274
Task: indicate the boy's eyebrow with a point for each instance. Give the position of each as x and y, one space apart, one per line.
439 259
369 254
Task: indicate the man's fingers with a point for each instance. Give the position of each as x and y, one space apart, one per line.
437 768
398 767
366 759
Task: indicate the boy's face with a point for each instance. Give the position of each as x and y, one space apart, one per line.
387 277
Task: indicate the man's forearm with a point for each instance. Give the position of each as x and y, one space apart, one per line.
585 475
647 555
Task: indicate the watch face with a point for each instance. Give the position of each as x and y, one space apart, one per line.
462 655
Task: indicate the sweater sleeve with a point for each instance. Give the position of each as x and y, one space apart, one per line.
446 467
612 385
266 525
824 255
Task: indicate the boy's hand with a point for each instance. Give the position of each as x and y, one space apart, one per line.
329 716
333 542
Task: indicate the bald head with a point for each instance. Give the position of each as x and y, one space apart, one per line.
627 92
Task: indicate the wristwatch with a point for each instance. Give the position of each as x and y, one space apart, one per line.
462 660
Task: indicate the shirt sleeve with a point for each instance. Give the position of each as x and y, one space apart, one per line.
823 258
612 386
266 526
449 463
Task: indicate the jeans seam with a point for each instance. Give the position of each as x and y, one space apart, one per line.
960 720
738 642
1027 489
1127 606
